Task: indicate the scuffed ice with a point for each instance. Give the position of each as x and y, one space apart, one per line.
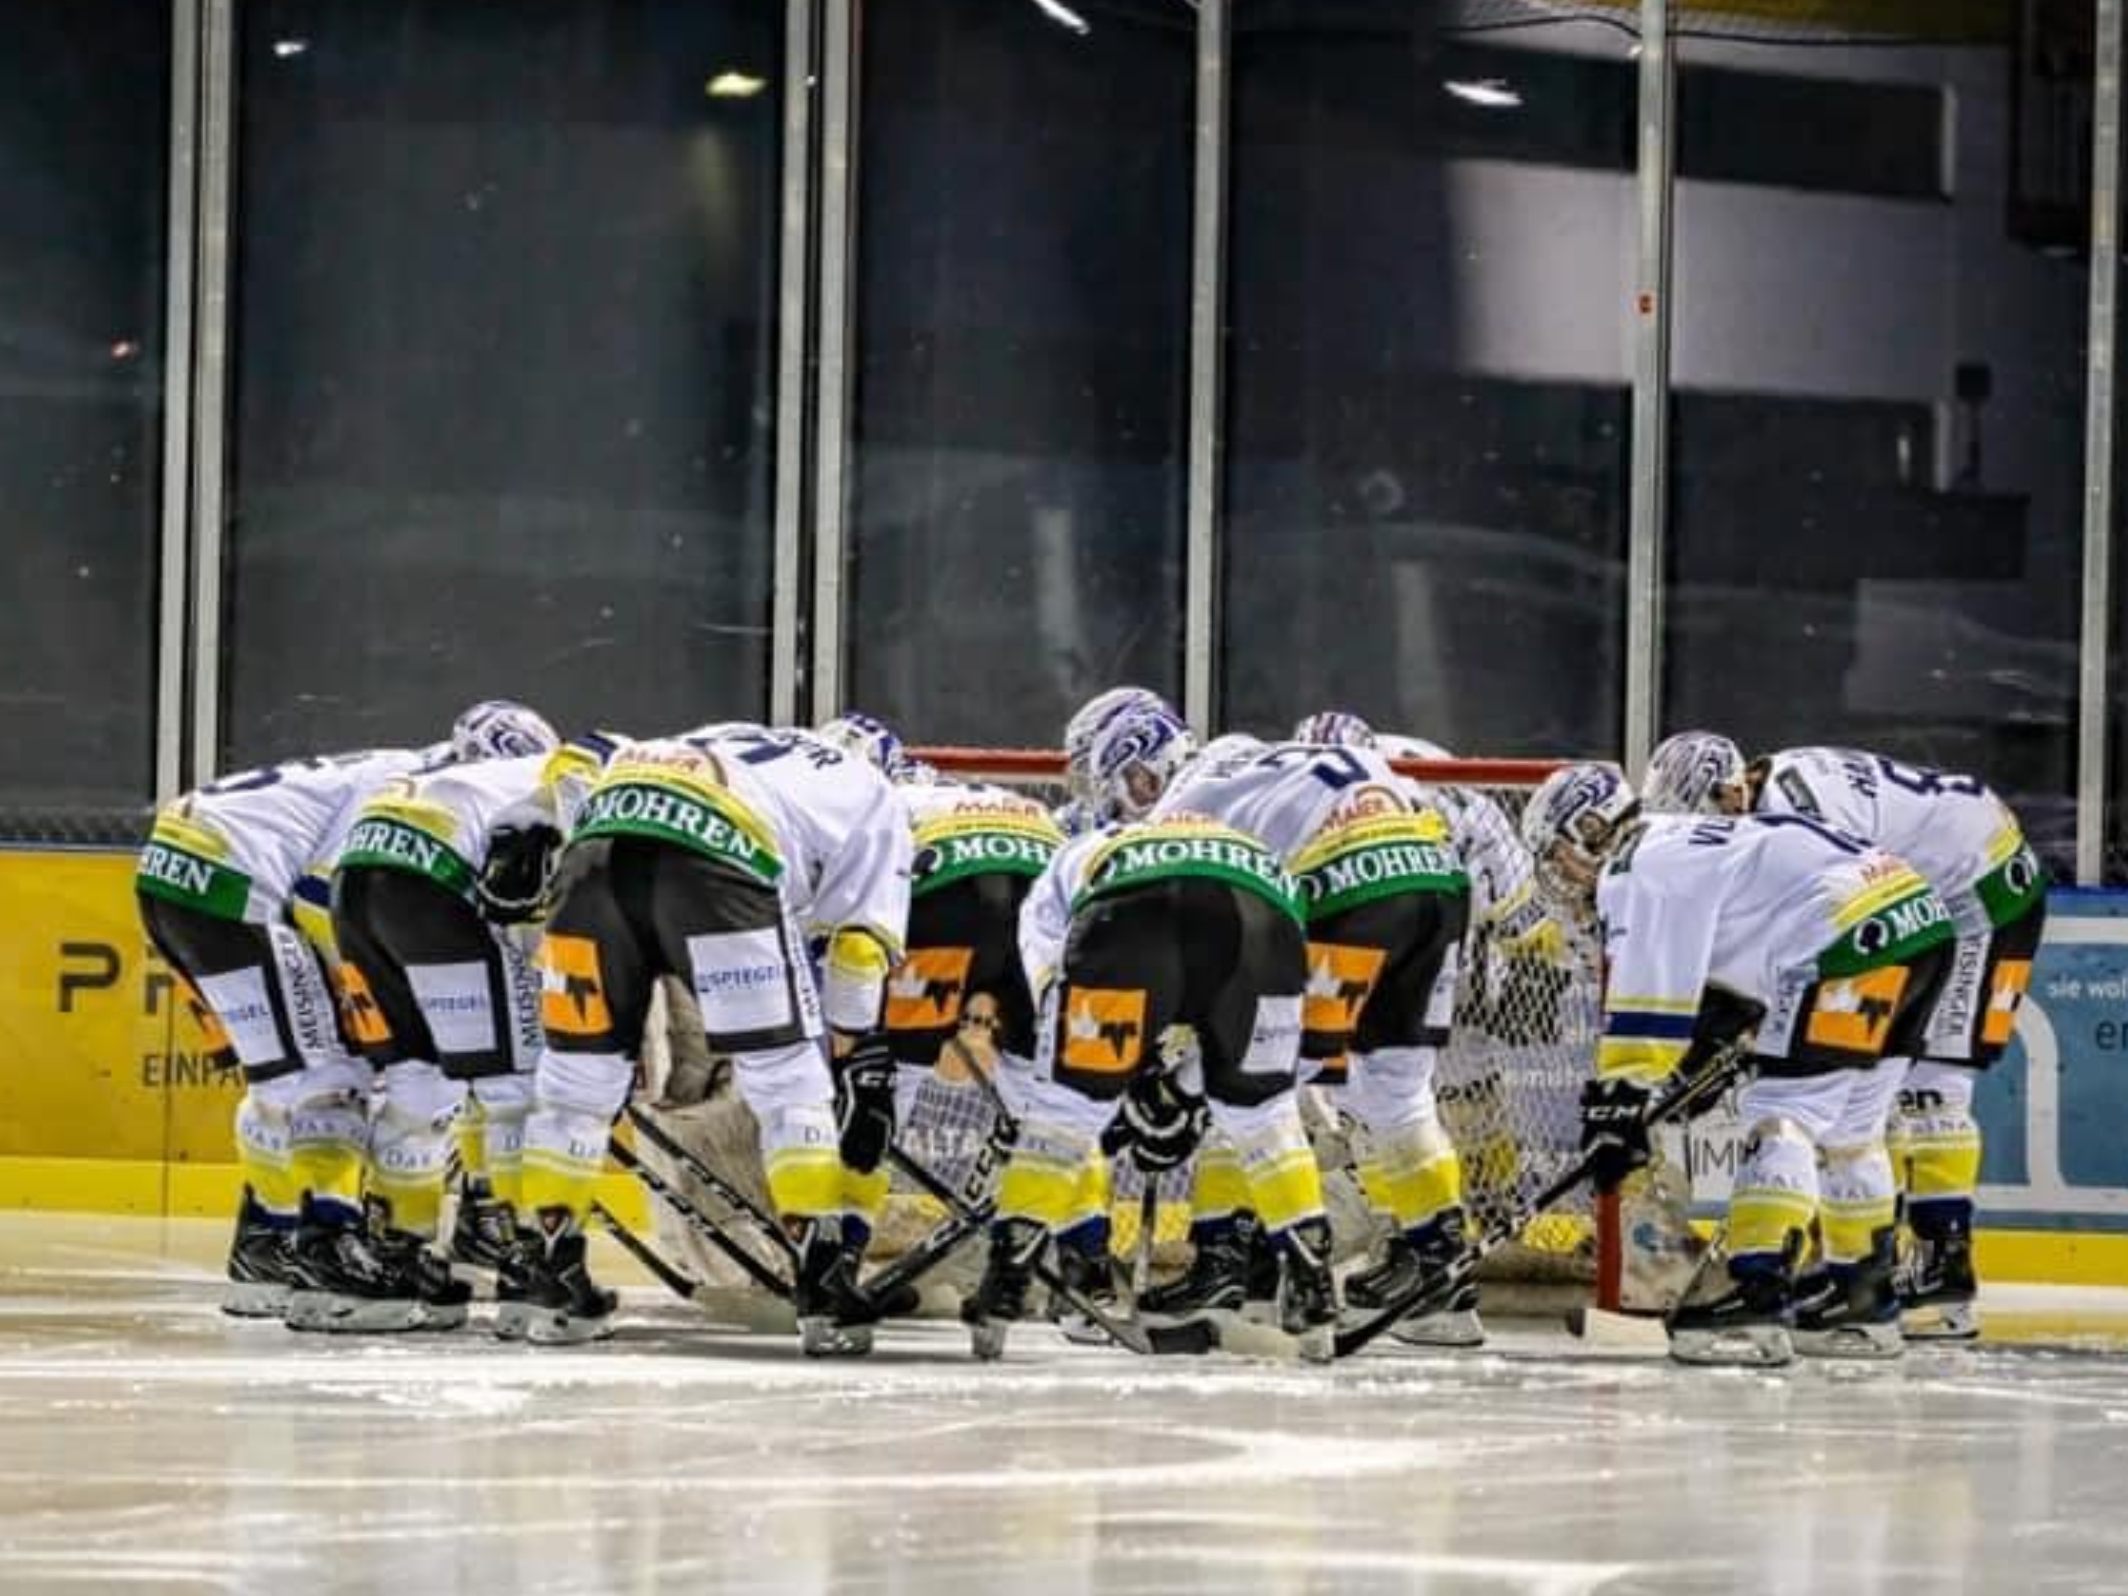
146 1443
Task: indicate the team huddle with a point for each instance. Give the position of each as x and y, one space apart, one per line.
445 957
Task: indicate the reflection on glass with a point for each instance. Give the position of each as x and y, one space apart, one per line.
84 147
1021 362
1876 452
1428 374
504 360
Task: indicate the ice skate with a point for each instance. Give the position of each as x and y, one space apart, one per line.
341 1284
1409 1263
485 1229
1748 1325
513 1285
1015 1247
562 1304
261 1271
1218 1278
1939 1297
1092 1275
1851 1310
834 1319
1307 1301
426 1276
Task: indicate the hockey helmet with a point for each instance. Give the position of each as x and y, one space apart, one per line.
502 728
1136 754
1689 774
1335 727
1573 823
1085 725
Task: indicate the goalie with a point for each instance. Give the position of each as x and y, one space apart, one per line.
1834 950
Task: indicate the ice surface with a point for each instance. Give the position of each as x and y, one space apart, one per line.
148 1444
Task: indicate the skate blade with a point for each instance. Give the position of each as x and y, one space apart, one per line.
1456 1330
987 1340
256 1299
437 1316
1758 1347
824 1338
324 1313
1081 1331
1942 1321
512 1320
551 1327
1878 1341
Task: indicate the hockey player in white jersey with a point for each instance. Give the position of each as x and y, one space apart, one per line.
1821 953
233 895
715 856
1386 907
1168 960
1961 836
435 902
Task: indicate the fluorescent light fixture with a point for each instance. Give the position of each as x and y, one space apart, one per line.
1492 93
284 48
734 86
1064 16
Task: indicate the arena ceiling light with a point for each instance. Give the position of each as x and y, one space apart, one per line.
1492 93
734 86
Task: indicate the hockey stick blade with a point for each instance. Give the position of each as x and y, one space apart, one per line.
1430 1295
673 1279
724 1191
1146 1340
695 1220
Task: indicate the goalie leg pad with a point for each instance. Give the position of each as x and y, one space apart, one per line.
574 1099
410 1144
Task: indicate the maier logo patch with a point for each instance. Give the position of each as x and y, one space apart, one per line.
1340 977
1854 1014
572 997
365 1021
927 989
2005 990
1104 1029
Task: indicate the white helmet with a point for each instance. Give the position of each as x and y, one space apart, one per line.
1334 727
502 728
1687 772
1136 754
1085 725
867 738
1571 825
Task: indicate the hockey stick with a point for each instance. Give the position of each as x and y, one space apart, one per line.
720 1188
698 1222
1437 1291
1146 1340
672 1278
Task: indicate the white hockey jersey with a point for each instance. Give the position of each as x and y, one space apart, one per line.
782 806
238 847
965 830
1761 906
1951 828
1503 882
437 825
1118 857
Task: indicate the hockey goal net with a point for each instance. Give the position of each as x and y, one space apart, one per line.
1508 1083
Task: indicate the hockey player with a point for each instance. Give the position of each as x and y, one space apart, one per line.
1386 905
1084 806
1968 844
431 862
229 874
1832 951
1168 962
714 856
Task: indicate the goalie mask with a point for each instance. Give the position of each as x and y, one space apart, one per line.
1136 756
1695 773
869 739
1336 728
1573 824
1085 726
501 728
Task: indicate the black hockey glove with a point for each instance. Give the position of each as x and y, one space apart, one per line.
1158 1124
1614 1130
517 872
864 1102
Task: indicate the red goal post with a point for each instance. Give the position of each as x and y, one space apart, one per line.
1509 1081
